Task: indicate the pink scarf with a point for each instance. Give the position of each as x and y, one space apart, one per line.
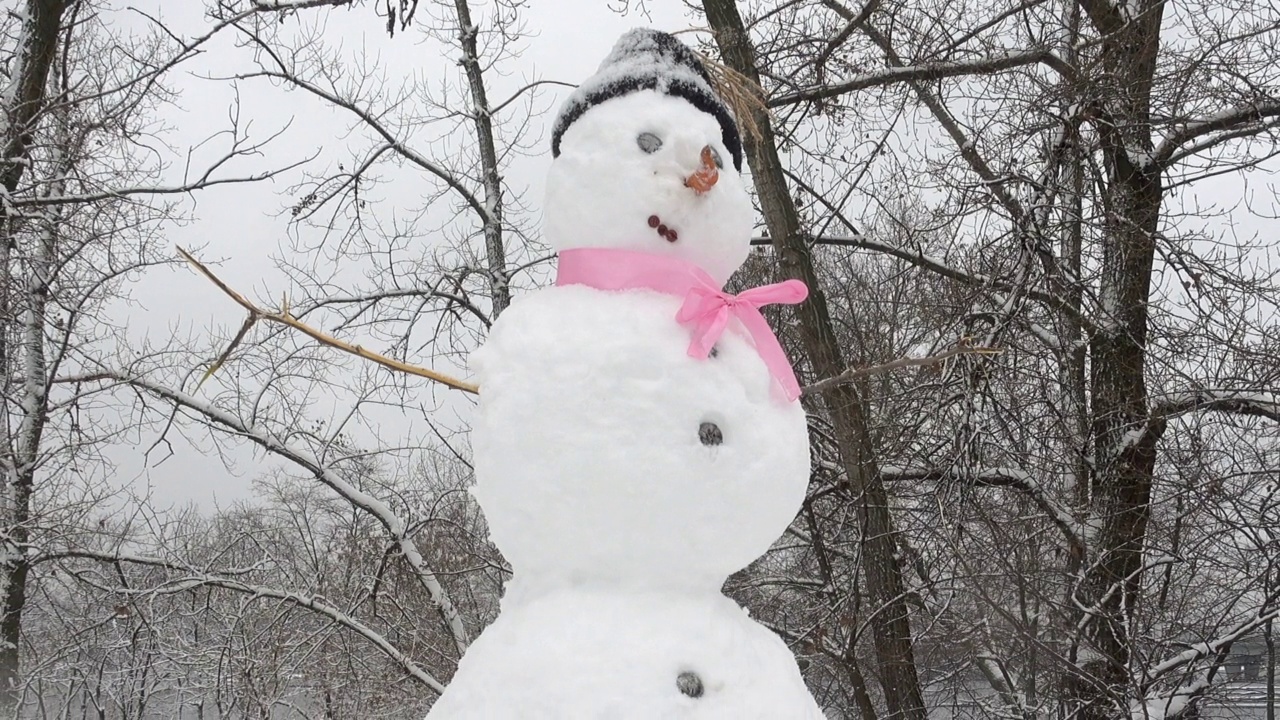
706 307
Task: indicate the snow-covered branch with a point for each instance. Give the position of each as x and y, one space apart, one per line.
1002 680
393 524
1233 402
1166 705
1200 651
1236 402
1199 135
122 556
275 5
400 14
301 600
923 73
1170 705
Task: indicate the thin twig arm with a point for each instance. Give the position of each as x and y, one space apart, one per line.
284 318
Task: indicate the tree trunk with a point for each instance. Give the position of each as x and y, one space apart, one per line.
1271 670
890 620
21 345
1124 445
482 116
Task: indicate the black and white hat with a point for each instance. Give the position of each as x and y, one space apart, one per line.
645 59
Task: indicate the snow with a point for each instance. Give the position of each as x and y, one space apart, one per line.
603 188
594 653
1240 401
587 456
1172 705
1046 336
623 479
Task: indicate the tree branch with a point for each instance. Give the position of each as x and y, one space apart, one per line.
395 527
1019 480
1203 650
1239 121
841 37
1105 17
961 348
920 73
940 267
226 579
284 318
368 118
1236 402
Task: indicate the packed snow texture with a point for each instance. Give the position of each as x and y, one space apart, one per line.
623 479
588 457
595 654
603 188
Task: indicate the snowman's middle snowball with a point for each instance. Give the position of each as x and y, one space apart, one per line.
630 494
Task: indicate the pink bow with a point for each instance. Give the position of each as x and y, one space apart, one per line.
709 309
706 307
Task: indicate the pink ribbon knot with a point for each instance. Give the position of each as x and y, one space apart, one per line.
706 307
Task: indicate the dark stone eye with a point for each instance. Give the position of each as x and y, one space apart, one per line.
709 434
690 684
715 155
649 142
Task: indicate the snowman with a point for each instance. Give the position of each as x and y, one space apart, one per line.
638 437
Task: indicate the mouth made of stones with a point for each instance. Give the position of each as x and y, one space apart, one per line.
667 233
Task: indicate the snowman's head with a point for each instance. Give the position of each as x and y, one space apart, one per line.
647 158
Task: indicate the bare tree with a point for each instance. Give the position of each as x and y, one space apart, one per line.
84 198
1077 523
1056 139
368 546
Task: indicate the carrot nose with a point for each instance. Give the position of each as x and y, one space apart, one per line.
705 177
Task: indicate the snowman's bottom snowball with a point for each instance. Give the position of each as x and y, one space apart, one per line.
588 655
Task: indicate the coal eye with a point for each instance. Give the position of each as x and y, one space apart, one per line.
715 155
649 142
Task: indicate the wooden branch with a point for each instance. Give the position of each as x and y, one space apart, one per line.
1013 478
1234 122
841 37
284 318
918 73
1257 403
854 373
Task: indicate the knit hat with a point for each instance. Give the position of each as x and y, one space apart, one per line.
645 59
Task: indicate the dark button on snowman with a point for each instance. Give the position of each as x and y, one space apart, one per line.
624 472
